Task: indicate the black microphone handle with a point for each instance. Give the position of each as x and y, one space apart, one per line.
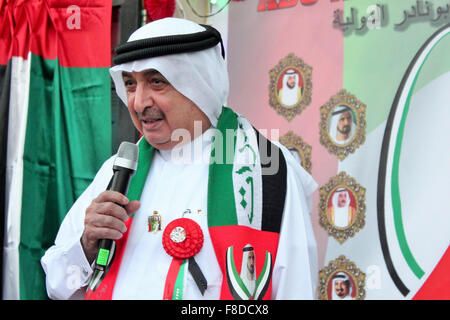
121 179
120 183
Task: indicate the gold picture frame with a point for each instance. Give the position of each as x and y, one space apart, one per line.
297 95
292 141
340 138
341 269
342 207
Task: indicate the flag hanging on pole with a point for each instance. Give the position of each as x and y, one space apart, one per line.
55 124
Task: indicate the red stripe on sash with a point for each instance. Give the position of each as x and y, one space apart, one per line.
106 287
171 278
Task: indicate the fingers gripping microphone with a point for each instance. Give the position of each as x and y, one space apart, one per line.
124 167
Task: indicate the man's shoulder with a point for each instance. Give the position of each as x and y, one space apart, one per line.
106 168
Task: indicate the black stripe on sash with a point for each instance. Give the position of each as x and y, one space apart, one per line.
274 183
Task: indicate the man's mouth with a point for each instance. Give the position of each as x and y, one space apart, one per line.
150 124
344 130
150 119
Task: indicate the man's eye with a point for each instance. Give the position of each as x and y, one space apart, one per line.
157 83
128 83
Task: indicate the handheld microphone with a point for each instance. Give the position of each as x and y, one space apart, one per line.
124 168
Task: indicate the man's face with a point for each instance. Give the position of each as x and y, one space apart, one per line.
251 262
291 81
340 288
345 123
342 199
157 108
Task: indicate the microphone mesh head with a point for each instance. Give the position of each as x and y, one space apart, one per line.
129 151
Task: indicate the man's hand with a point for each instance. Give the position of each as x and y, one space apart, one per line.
105 219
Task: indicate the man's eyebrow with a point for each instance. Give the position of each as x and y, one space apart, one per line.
127 74
153 72
147 73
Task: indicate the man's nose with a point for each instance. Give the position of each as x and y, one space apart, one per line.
142 98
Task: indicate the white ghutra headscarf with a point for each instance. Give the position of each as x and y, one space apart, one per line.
341 214
290 96
335 115
341 276
201 76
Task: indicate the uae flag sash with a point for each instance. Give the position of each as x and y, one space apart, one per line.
245 202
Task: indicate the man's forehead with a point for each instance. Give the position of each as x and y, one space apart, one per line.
346 113
148 72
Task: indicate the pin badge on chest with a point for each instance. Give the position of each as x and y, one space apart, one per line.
154 222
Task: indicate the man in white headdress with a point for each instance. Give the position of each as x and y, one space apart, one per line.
248 274
172 76
290 94
342 287
342 128
341 213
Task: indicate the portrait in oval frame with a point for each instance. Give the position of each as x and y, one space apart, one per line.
342 125
342 207
341 280
290 87
298 147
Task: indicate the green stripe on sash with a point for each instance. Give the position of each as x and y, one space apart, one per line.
264 270
179 283
221 202
144 162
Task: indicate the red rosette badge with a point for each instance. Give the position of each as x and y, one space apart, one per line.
183 239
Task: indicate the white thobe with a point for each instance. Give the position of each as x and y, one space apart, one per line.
342 217
171 189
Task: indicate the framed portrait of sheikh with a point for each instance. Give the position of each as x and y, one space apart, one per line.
342 207
298 148
341 280
342 124
290 87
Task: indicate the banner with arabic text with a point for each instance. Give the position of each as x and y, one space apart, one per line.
359 91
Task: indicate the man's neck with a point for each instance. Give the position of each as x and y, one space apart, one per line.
191 152
342 136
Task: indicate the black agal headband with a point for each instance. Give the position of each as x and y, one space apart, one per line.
165 45
342 110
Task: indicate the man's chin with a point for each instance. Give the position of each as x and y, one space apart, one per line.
163 145
160 143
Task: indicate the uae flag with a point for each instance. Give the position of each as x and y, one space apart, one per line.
55 124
